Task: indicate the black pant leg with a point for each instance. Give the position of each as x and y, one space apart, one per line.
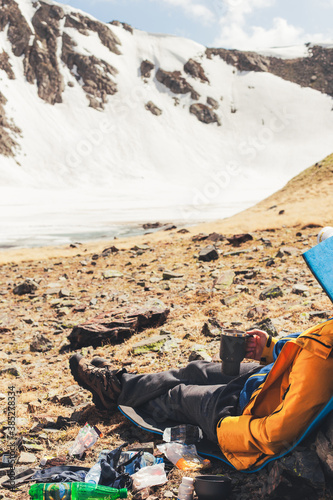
138 389
202 405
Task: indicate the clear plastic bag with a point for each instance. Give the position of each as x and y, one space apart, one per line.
152 475
86 438
183 456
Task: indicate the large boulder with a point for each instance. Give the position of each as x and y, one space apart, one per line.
116 326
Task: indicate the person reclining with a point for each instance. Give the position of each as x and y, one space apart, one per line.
252 416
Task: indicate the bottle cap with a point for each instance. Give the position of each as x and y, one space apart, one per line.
123 493
188 480
325 233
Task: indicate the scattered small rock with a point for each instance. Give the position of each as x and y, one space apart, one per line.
208 254
169 275
208 330
27 458
34 406
199 353
28 286
271 292
231 299
257 312
40 343
213 103
169 227
150 106
146 67
225 280
111 273
152 344
10 370
267 326
287 251
200 237
300 289
215 237
237 239
110 250
152 225
204 113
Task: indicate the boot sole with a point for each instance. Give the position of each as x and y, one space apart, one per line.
73 364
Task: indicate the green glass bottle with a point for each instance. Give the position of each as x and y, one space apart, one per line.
74 491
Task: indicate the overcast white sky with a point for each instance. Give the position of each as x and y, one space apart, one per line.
242 24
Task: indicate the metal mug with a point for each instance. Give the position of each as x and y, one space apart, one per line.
232 350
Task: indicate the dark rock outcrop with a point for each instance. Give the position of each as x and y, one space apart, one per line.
146 67
7 143
314 71
150 106
84 24
204 113
97 81
41 60
126 26
39 49
6 66
19 32
176 83
195 69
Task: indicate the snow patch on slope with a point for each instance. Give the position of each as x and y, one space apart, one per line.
89 169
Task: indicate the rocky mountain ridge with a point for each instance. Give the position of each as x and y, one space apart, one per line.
314 71
46 47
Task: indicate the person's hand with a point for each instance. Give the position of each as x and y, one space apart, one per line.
255 344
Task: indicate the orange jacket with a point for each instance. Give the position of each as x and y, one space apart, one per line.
295 390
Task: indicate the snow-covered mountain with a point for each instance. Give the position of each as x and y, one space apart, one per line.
102 123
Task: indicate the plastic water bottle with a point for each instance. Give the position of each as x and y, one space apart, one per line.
74 491
325 233
94 474
186 489
186 433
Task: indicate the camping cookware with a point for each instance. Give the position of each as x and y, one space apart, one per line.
210 487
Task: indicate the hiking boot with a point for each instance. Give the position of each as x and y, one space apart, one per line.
101 382
100 362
